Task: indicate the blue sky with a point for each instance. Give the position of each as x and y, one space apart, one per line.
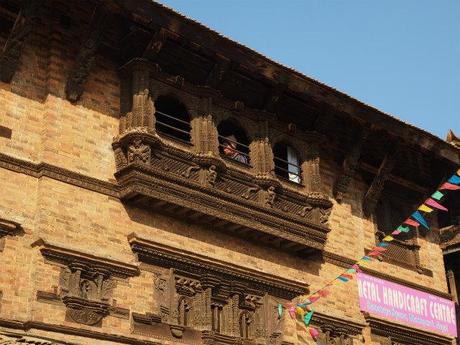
401 56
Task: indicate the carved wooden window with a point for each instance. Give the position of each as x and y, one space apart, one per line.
391 212
172 118
233 141
287 162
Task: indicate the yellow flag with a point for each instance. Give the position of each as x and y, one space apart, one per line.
425 208
458 172
300 312
388 238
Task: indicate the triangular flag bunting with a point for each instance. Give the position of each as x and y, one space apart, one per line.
412 222
348 276
435 204
351 270
383 244
425 208
300 312
378 249
323 293
437 195
455 179
418 216
292 312
314 333
388 238
356 267
307 318
449 186
373 253
458 172
280 310
403 228
342 279
313 299
396 232
366 258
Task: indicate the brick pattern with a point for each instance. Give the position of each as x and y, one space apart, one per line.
48 128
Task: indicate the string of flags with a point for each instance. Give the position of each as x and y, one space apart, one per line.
305 312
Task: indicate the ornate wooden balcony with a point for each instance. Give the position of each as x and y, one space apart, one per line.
194 182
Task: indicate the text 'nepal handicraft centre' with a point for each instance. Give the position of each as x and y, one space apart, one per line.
162 184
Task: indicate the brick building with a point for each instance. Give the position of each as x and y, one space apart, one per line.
163 184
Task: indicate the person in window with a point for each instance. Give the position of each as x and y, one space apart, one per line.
229 148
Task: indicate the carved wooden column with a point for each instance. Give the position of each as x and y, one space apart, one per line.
310 169
137 140
23 26
262 158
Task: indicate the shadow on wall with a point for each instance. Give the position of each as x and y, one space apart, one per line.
216 238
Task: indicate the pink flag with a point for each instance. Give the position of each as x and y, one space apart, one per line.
449 186
314 333
412 222
292 312
432 203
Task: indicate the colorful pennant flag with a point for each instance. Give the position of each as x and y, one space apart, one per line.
418 217
425 208
314 333
379 249
300 312
313 299
435 204
396 232
280 310
348 276
458 172
351 270
412 222
454 179
437 195
373 253
383 244
356 267
366 258
342 279
292 312
449 186
388 238
403 228
307 317
323 293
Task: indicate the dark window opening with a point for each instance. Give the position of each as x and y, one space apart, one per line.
233 142
172 118
287 163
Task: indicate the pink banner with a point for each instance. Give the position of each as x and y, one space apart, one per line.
406 306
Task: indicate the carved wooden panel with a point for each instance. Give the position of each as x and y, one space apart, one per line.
86 282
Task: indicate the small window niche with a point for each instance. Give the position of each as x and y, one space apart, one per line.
172 119
233 142
287 163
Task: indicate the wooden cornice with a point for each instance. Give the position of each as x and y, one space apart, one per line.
68 256
403 334
337 326
163 255
342 261
75 331
9 227
39 170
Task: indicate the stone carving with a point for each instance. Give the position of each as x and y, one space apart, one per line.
86 283
87 55
324 215
334 331
24 25
139 152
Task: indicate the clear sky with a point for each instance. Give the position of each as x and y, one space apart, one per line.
400 56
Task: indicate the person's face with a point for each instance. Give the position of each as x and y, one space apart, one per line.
229 149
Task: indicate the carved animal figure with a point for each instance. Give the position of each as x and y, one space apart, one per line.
452 139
